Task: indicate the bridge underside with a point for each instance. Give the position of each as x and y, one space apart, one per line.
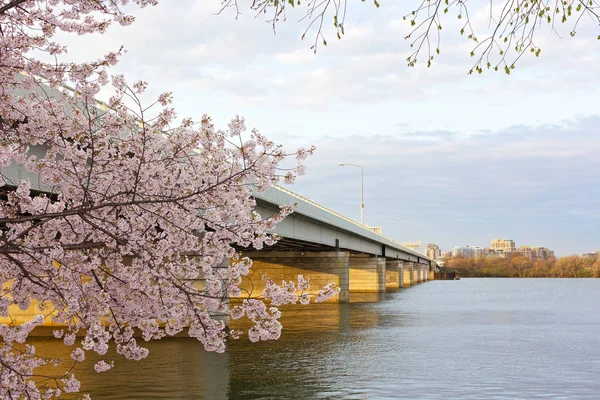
352 271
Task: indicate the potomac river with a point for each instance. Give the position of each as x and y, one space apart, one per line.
467 339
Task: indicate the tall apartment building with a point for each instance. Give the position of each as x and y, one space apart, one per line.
534 253
433 251
505 246
541 253
467 251
524 251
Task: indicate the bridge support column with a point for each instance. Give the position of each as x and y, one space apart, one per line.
320 267
408 274
367 273
393 269
401 273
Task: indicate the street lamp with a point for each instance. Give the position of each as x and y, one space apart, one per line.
362 192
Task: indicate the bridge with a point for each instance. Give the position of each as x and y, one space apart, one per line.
325 247
316 242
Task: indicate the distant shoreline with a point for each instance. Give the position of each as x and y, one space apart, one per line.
522 267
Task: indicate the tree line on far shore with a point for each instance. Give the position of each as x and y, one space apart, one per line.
521 267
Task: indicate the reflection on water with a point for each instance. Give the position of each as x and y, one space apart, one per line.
468 339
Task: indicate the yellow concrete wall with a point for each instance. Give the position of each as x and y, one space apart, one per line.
408 274
18 316
320 267
367 274
391 279
392 274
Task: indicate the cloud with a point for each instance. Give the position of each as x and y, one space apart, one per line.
520 180
467 157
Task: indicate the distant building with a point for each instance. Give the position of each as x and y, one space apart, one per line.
467 251
412 245
534 253
542 253
524 251
376 229
593 256
433 251
504 246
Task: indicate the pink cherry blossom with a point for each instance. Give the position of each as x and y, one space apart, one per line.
135 220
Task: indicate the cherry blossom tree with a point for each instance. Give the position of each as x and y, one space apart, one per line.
133 228
510 31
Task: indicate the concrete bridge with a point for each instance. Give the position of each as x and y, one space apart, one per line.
325 246
316 242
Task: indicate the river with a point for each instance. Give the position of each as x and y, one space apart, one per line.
467 339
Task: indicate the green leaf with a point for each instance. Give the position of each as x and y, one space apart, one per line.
376 3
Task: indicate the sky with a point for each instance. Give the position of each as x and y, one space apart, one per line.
462 159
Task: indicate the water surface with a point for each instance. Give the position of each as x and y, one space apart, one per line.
467 339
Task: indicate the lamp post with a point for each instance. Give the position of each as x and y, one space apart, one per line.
362 192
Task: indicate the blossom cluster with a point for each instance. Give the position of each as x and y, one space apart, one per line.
128 215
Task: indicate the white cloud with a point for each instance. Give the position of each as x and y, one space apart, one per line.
437 143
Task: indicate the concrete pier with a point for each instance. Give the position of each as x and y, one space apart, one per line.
408 274
320 267
367 273
393 269
401 273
